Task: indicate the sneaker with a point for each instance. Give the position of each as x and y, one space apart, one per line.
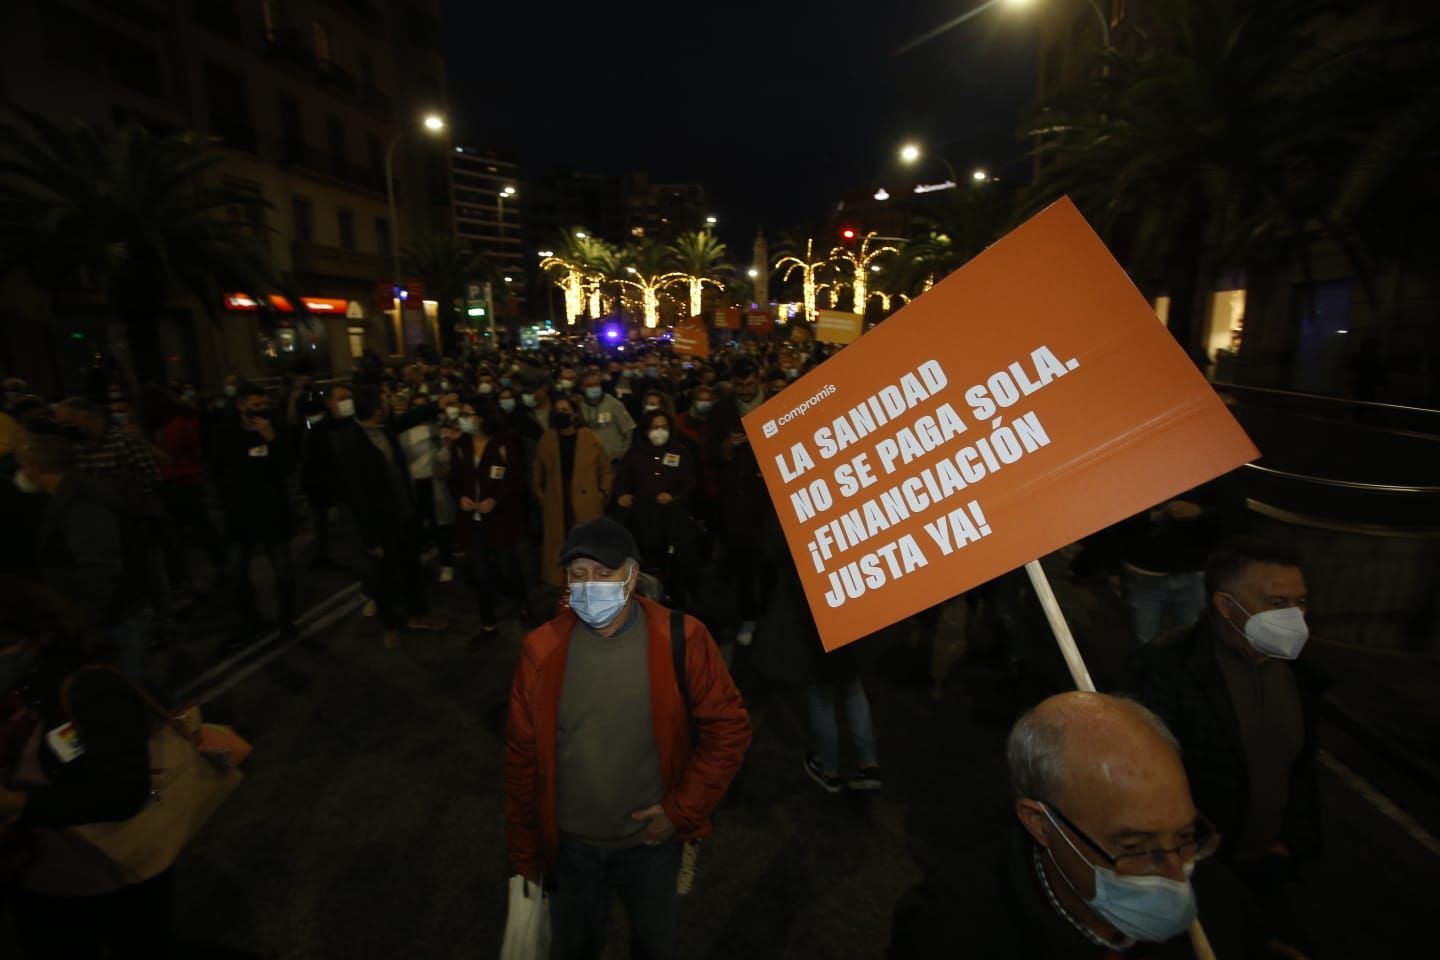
447 574
866 778
827 783
369 609
746 634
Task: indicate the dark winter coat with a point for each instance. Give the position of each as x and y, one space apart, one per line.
253 477
1182 682
500 475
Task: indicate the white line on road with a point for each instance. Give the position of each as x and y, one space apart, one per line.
1380 802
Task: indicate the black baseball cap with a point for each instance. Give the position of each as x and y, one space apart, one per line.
601 539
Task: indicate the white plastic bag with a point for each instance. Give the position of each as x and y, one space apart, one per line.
527 922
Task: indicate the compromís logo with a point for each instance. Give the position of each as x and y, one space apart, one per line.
772 427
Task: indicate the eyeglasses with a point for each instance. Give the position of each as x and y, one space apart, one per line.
1197 843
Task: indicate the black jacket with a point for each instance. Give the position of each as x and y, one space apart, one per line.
993 906
742 486
253 477
1181 680
110 781
382 508
85 553
319 466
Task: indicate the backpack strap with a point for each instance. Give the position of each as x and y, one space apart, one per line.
677 652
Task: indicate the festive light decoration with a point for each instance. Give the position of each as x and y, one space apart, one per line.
571 282
697 290
809 268
860 262
831 292
593 285
649 287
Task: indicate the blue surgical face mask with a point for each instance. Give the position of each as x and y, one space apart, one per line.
507 404
592 393
1150 908
598 602
703 407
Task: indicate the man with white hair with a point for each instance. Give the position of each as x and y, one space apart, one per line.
1111 856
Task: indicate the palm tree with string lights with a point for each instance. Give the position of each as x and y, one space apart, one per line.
860 263
702 258
810 270
642 268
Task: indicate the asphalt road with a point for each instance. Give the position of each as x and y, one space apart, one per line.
370 823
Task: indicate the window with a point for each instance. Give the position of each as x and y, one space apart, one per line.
229 106
293 139
321 36
345 220
382 236
367 72
335 136
373 153
249 211
302 211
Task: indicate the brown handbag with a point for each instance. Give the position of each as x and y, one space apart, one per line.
187 786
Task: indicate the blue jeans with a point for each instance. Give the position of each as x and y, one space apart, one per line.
584 880
1175 599
826 731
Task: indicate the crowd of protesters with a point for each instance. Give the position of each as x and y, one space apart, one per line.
613 486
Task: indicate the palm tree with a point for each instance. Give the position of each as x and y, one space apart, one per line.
957 225
1216 145
702 258
446 264
643 267
129 214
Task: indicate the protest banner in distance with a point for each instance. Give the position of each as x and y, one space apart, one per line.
759 322
1028 400
838 326
691 338
727 318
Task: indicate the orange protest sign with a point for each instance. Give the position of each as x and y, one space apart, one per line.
691 338
727 318
759 322
838 326
1026 401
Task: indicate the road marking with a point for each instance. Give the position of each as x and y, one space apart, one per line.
279 650
1380 802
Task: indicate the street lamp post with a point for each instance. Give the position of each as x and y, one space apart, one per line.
500 237
911 153
433 123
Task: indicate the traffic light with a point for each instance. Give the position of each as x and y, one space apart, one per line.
847 234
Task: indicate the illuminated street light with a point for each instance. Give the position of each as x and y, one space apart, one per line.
509 279
508 192
434 123
711 220
753 273
882 194
875 269
979 176
579 235
547 253
910 155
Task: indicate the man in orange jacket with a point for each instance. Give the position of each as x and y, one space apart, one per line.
611 762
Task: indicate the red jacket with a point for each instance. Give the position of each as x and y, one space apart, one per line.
695 780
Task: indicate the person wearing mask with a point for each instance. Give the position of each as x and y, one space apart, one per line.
695 427
320 479
107 453
566 382
1244 705
742 490
1109 856
176 431
382 501
422 446
67 900
88 549
616 754
485 384
655 401
1163 554
571 481
488 486
253 473
535 399
606 417
653 488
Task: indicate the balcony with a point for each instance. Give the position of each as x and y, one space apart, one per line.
302 156
317 260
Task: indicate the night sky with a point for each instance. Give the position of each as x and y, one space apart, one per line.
778 108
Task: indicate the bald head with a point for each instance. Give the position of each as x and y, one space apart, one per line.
1091 743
